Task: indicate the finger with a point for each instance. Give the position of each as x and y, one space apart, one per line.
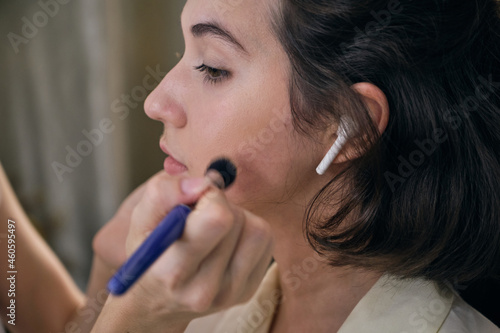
206 231
250 258
255 241
162 193
209 277
234 269
209 228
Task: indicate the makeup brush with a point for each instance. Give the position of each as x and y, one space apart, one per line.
221 173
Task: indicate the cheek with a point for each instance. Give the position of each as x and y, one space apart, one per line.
251 124
262 174
265 155
255 136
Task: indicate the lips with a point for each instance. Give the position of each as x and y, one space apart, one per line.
171 165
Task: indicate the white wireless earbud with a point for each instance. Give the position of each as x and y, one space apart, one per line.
342 133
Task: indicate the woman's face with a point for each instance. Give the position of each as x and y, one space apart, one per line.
228 96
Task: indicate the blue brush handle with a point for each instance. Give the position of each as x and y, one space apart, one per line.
167 232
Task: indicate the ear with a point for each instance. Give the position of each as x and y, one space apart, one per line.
376 103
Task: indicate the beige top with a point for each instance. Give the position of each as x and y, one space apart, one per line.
390 306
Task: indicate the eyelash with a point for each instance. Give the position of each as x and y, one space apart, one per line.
210 78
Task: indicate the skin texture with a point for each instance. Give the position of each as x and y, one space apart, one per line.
230 236
275 180
240 110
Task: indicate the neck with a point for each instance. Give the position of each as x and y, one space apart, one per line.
316 296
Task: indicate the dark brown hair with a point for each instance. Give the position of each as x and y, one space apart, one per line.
423 198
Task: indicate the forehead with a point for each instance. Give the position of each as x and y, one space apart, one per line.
249 21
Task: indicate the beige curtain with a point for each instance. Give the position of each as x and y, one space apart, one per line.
74 137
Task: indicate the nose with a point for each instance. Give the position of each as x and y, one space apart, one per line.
165 101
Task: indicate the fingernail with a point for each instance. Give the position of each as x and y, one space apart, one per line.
192 186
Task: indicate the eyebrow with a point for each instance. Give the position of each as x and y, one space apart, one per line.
214 29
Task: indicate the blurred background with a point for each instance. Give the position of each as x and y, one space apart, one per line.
74 137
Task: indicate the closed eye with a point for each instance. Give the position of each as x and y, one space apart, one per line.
212 75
